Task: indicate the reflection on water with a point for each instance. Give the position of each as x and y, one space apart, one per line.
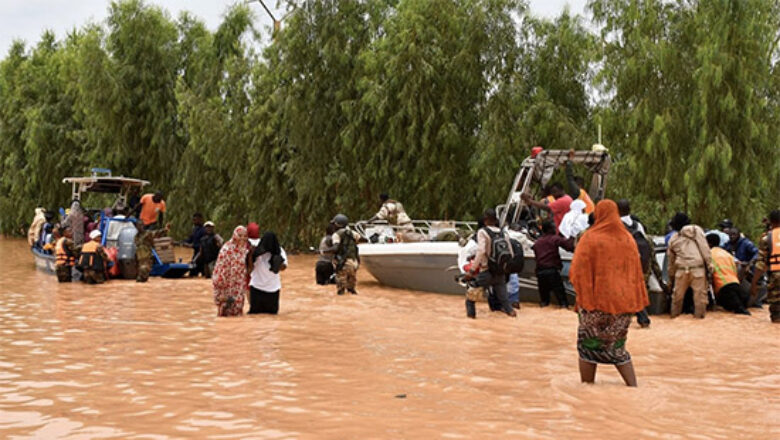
125 360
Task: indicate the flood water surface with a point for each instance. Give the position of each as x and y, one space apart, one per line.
152 361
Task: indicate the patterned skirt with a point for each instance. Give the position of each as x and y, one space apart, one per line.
601 337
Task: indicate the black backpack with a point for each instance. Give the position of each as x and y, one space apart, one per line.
506 254
645 249
347 249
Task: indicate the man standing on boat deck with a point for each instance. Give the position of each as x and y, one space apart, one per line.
393 212
558 208
486 278
347 258
152 209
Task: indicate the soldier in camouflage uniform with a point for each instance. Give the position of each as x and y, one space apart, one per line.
346 259
769 261
144 243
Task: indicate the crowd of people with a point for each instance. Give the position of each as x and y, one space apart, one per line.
613 262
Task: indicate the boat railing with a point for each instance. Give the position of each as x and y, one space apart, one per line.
420 230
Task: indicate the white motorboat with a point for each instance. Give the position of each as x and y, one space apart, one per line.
430 265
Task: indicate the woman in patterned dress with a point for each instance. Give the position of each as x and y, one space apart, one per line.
606 272
230 275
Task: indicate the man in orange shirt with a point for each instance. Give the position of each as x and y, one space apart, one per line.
729 294
152 208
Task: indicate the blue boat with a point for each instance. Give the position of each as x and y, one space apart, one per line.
102 181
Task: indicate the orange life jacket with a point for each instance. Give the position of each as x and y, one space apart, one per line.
64 257
774 250
589 206
91 258
724 269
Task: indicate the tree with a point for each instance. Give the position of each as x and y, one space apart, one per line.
692 113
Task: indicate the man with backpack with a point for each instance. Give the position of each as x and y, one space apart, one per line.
646 253
493 248
346 259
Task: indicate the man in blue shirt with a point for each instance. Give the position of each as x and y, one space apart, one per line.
743 249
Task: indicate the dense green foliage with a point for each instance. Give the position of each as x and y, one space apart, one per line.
434 101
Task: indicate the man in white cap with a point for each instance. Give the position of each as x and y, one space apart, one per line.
210 244
93 260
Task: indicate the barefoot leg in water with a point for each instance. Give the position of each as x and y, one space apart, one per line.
587 371
627 372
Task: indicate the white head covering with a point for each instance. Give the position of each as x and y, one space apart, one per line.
94 234
575 221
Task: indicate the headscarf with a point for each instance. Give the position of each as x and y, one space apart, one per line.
575 221
230 273
606 270
253 230
269 243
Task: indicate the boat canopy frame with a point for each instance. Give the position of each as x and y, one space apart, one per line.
102 181
539 170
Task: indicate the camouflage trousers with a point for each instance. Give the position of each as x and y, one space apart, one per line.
346 278
773 296
93 277
143 269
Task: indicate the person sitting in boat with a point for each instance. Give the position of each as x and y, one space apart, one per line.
66 253
93 260
151 210
558 208
51 241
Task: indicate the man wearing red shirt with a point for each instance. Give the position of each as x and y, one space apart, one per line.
559 207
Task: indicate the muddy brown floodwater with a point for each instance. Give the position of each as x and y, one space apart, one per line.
152 361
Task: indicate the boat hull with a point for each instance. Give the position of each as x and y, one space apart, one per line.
432 267
44 262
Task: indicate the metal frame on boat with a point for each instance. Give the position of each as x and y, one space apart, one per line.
102 181
431 265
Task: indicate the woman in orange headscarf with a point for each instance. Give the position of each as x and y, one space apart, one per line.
607 276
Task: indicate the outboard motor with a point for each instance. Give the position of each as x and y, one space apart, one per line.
126 257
